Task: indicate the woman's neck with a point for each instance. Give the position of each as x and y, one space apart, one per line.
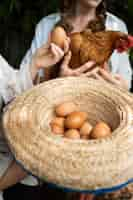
83 15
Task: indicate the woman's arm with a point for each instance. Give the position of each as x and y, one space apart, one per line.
14 82
12 175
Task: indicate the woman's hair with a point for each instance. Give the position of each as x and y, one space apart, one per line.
68 8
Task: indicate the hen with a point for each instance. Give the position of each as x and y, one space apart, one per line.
97 46
87 46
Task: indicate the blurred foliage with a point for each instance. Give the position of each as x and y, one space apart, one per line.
23 15
18 19
130 8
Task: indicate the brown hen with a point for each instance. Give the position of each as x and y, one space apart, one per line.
87 46
97 46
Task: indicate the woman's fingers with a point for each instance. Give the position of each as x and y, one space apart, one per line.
115 79
48 56
87 66
97 76
64 68
108 76
53 53
100 74
57 51
43 49
122 82
66 44
93 74
66 60
93 71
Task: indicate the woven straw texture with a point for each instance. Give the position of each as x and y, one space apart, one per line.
77 164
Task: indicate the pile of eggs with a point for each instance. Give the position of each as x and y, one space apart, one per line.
74 124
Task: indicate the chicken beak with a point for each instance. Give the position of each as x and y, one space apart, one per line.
130 40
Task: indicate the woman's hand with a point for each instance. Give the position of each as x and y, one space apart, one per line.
65 70
103 74
88 70
47 55
115 79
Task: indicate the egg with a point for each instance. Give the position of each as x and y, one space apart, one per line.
59 121
75 120
65 109
58 36
84 137
58 130
101 130
72 134
86 129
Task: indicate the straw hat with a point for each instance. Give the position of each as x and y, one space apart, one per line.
77 164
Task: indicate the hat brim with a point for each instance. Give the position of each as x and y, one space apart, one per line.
87 166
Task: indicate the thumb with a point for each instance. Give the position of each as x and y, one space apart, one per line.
57 51
67 59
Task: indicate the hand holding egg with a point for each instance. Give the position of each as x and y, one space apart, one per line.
59 38
51 53
47 55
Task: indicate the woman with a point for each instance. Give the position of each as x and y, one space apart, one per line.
75 16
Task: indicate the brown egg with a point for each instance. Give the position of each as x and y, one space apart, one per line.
65 108
84 137
58 36
72 134
75 120
58 130
101 130
59 121
86 129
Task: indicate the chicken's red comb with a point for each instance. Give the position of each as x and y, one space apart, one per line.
130 40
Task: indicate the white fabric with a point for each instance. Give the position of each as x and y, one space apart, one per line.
119 62
12 83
